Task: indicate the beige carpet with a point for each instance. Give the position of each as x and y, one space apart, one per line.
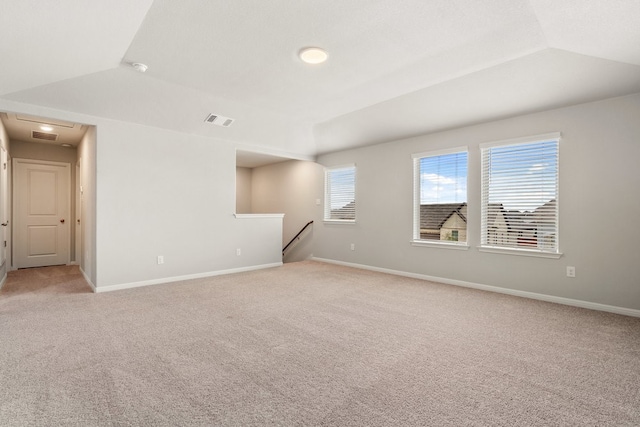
307 344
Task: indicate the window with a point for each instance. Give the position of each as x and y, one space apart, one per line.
340 194
440 197
520 194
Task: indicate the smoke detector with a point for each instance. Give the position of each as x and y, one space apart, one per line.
140 67
219 120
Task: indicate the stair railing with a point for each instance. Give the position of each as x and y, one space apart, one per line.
296 237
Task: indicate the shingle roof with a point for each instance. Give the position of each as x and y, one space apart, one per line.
521 220
434 216
348 211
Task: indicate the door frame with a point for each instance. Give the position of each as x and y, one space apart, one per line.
5 258
15 194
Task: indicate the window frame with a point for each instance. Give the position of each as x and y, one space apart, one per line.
485 245
415 239
326 216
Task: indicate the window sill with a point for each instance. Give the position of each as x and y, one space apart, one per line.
440 245
519 252
339 222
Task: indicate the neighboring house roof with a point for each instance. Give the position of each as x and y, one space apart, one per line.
432 217
492 213
518 220
348 211
545 210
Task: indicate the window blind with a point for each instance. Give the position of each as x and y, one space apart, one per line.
520 194
340 200
440 196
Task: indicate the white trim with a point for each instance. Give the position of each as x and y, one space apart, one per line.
285 155
343 166
14 205
93 287
519 252
110 288
439 244
417 184
444 151
339 221
552 136
3 280
253 216
326 210
524 294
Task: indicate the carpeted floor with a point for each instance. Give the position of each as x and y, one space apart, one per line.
307 344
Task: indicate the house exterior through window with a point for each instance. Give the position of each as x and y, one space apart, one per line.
340 194
440 196
520 194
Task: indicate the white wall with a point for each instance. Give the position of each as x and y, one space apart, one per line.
599 207
156 192
291 188
243 190
87 159
4 142
171 194
37 151
54 153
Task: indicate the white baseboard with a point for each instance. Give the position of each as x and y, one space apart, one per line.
110 288
542 297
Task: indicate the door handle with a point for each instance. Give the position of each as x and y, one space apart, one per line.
62 220
4 224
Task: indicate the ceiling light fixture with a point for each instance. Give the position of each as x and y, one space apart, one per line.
46 128
313 55
140 67
65 145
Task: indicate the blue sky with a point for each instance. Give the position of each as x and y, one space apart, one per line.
443 179
522 177
342 186
532 167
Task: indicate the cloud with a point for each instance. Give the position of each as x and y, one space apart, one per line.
538 167
447 190
437 179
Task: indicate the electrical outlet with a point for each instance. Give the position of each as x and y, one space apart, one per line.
317 202
353 246
571 271
238 251
160 259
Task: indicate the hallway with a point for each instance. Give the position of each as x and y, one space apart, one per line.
59 279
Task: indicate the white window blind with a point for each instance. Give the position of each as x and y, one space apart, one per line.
520 194
340 194
440 196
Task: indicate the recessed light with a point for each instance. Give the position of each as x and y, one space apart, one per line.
313 55
138 66
66 145
46 128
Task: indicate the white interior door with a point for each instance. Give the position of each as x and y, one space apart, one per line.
4 218
41 213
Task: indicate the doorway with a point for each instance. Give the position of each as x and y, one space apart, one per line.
42 211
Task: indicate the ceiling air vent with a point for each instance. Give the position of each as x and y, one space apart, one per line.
43 135
219 120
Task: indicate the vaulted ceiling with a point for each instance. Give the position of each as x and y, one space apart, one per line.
395 68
